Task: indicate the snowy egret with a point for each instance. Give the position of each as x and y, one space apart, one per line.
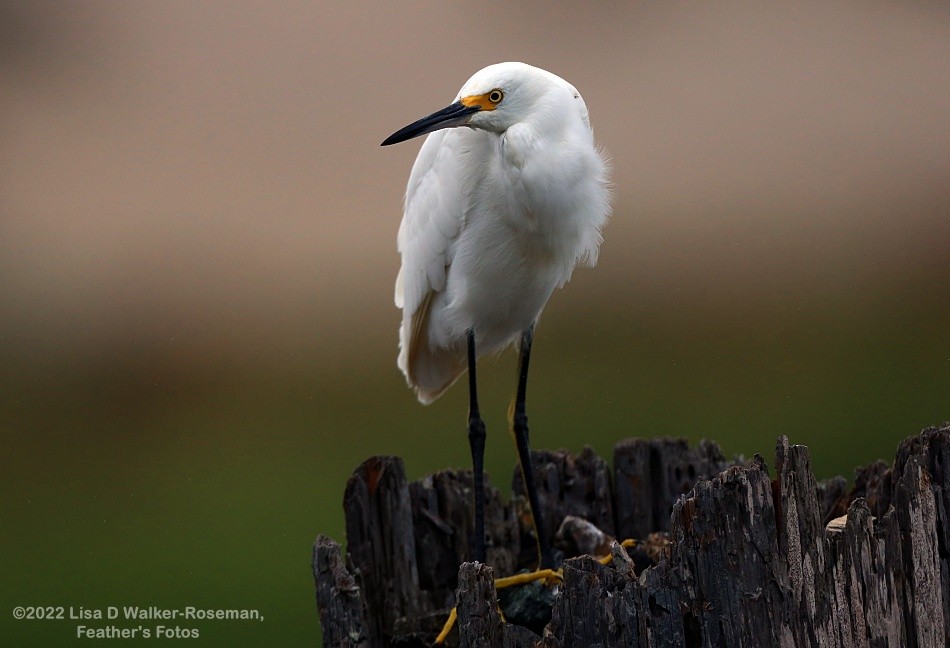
497 215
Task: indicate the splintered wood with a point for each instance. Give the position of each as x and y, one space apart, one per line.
727 554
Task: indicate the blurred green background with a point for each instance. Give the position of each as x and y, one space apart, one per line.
197 250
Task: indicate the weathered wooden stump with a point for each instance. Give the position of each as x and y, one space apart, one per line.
729 554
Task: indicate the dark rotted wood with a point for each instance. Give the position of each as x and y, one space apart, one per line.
873 483
803 547
866 584
568 484
725 548
598 606
651 474
611 606
479 622
833 498
749 558
758 567
916 517
932 450
381 544
443 519
339 600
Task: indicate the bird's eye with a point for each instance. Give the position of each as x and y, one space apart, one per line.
495 96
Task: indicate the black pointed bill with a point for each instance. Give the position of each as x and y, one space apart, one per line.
455 115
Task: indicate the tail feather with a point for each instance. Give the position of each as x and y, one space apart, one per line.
429 371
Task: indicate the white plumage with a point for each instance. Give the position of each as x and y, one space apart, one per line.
501 205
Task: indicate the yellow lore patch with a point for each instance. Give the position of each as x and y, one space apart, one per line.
487 101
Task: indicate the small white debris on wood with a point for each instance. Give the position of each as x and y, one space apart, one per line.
837 525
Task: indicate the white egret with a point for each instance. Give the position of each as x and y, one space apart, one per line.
497 215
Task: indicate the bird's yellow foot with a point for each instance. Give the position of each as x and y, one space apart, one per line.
549 576
606 560
447 628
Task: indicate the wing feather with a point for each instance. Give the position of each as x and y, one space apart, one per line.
442 178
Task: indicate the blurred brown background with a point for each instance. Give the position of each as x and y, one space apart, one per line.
197 250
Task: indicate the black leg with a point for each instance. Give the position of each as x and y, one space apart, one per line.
520 425
476 439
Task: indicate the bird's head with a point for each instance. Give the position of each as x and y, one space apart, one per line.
495 98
